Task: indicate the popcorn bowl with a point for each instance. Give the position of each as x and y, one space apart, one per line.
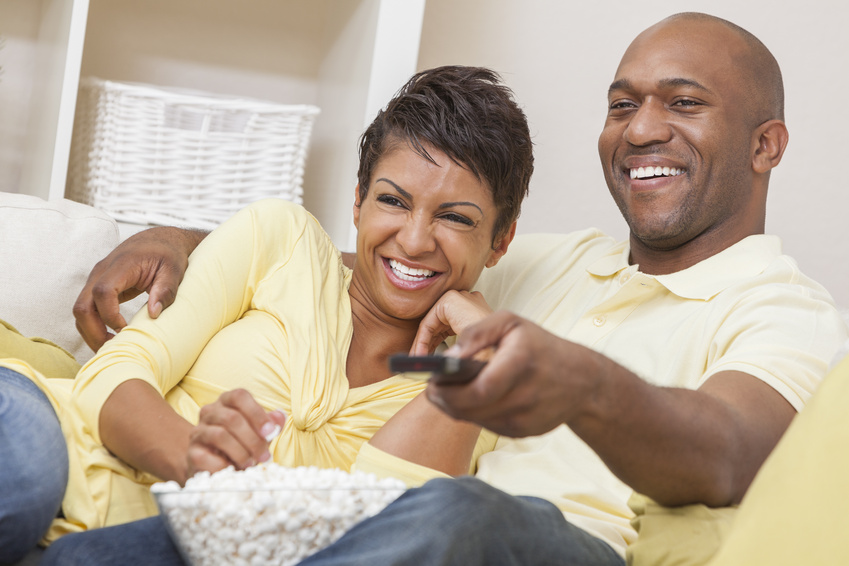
269 514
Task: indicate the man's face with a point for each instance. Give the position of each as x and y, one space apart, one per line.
676 145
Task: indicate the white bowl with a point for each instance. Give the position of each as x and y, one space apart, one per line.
271 524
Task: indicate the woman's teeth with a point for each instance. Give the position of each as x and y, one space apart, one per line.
409 273
644 172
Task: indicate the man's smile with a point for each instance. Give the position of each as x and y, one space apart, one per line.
650 172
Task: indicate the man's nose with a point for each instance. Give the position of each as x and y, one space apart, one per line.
648 125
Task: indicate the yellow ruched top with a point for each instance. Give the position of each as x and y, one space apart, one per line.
263 306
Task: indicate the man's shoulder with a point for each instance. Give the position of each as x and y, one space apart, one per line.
527 249
536 261
779 272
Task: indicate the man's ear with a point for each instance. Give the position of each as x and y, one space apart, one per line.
357 204
499 247
770 139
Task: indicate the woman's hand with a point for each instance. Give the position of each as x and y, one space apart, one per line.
233 431
452 313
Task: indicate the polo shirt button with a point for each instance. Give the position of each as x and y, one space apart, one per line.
599 320
624 278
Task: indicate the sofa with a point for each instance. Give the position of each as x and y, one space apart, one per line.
47 250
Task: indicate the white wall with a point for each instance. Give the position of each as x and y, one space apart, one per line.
18 33
560 56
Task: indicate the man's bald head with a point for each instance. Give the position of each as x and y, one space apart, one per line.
757 68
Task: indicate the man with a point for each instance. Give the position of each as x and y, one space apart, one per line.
668 365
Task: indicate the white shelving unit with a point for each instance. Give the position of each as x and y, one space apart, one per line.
346 56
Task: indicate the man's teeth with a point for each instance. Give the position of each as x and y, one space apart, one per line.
643 172
408 273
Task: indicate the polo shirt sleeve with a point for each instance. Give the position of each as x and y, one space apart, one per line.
784 333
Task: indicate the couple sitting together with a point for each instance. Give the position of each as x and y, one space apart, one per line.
641 376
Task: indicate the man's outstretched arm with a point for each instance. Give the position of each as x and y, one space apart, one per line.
152 261
677 446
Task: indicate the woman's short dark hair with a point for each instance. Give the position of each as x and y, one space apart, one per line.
468 114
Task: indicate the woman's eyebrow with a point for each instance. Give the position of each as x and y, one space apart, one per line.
459 203
408 196
404 193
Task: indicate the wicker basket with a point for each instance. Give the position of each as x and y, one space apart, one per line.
151 155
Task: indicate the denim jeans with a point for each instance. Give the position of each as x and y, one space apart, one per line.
144 542
34 473
462 522
466 522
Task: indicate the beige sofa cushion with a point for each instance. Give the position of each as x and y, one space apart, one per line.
47 249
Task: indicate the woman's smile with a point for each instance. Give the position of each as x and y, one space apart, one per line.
406 277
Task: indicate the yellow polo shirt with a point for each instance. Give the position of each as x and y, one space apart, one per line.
748 308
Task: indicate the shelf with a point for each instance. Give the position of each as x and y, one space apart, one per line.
348 58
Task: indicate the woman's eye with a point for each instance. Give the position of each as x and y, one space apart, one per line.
458 218
390 200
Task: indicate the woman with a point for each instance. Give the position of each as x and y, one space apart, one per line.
268 321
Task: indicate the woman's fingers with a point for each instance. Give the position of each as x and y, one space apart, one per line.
453 312
235 430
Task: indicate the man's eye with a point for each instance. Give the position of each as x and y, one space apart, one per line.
686 102
622 104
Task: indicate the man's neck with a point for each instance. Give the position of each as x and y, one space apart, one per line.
660 261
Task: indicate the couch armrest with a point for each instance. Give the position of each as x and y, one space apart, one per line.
47 249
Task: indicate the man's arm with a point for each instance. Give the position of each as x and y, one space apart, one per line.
152 261
676 446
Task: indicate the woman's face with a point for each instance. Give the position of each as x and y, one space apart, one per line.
423 229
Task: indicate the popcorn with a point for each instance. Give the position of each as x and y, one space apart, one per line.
268 514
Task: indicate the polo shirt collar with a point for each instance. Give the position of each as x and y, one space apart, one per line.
745 259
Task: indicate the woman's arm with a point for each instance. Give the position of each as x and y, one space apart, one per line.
140 428
419 432
422 434
120 393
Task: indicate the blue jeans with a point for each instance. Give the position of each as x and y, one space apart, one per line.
34 473
462 522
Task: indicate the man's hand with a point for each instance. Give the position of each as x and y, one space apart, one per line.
452 314
152 261
534 381
233 431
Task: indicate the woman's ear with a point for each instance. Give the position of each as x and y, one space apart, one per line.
499 247
770 141
357 204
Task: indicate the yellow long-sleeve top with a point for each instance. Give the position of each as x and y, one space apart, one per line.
264 306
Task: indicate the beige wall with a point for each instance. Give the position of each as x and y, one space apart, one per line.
559 57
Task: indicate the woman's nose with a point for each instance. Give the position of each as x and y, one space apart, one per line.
416 236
